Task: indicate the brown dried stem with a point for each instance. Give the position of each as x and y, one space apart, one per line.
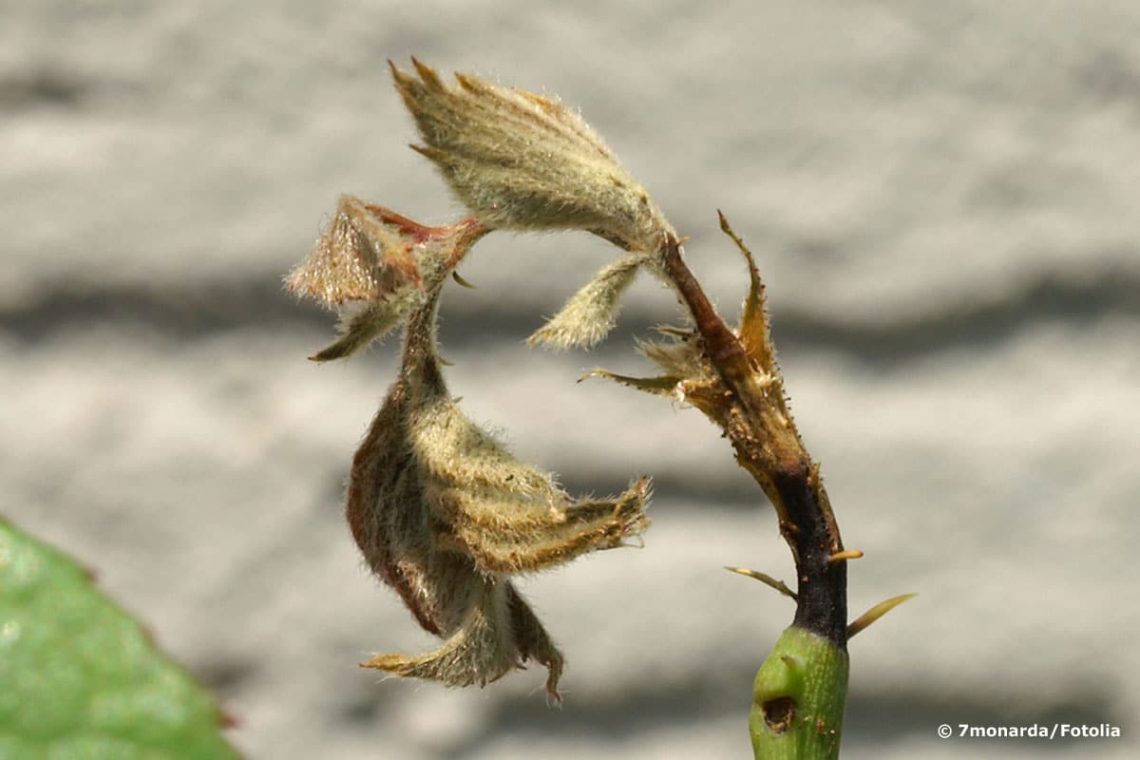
752 411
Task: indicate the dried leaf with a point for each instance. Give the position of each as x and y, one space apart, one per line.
440 509
680 357
375 267
660 386
358 257
754 331
527 162
499 633
445 515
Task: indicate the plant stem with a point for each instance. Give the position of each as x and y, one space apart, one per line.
798 695
752 410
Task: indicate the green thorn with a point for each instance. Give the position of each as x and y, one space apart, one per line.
764 578
876 612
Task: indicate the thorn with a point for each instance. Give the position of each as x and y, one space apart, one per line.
791 662
444 362
462 282
845 555
876 612
764 578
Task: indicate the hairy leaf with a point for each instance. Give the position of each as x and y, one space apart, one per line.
445 515
527 162
590 313
375 266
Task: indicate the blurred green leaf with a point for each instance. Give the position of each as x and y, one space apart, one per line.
80 679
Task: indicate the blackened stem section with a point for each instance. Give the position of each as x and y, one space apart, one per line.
821 605
756 420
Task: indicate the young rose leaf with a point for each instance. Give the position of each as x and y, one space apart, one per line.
590 313
368 324
526 162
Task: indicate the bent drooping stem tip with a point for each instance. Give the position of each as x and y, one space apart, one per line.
446 516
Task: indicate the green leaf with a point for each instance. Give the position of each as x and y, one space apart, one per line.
80 679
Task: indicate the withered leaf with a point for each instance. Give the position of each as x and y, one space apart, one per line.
440 509
666 385
445 515
754 332
375 267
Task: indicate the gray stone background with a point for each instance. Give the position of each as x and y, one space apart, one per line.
943 200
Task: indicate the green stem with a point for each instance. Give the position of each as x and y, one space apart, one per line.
797 699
